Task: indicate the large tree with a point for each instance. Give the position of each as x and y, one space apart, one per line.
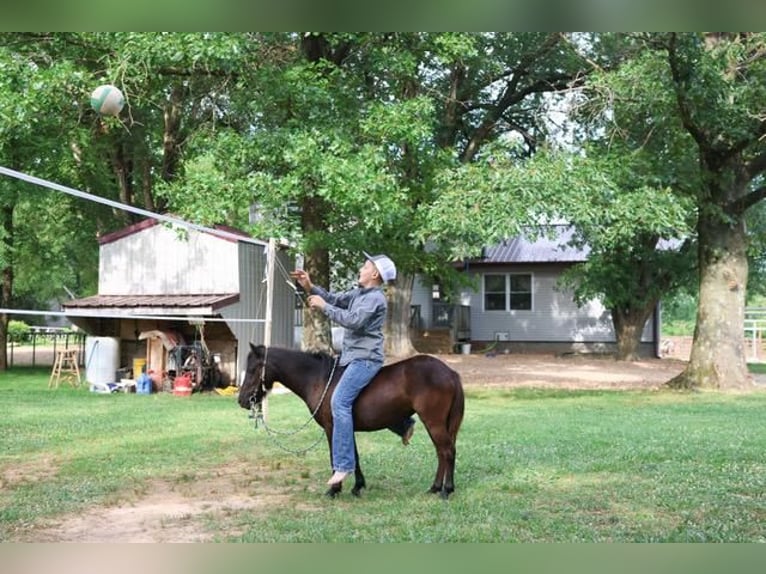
42 246
347 134
707 91
698 101
631 226
639 233
175 85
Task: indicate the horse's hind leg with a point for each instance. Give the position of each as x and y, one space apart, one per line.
445 455
448 487
445 473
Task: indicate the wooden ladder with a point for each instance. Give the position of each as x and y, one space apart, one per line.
65 366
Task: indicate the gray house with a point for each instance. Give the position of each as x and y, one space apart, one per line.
519 306
161 287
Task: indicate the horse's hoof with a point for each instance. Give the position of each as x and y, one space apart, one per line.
333 491
434 489
357 491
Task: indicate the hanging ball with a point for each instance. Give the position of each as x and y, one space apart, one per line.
107 100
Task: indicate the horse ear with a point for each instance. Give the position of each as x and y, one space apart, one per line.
259 350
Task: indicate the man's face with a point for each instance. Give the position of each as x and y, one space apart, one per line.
368 274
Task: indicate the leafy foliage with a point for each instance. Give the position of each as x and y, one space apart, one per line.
18 331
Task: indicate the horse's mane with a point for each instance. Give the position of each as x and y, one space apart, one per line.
323 357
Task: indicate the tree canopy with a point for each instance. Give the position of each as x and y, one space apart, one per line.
427 146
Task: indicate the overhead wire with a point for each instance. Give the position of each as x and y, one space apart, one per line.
125 207
146 213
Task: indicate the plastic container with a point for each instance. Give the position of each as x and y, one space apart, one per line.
102 359
465 348
138 366
182 386
144 384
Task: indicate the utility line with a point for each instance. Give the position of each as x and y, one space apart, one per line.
125 207
139 211
190 318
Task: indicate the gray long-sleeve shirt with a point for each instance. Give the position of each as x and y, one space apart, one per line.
361 312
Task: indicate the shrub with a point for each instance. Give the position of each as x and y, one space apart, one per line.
18 331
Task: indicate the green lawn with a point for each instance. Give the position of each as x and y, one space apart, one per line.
533 466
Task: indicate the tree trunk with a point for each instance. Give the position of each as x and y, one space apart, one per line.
628 327
121 167
317 335
171 136
718 352
398 343
6 289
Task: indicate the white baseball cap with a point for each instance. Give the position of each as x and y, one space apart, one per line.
384 265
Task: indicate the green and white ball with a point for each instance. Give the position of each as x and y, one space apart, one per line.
107 100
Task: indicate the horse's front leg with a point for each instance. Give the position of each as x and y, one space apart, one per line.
334 489
359 482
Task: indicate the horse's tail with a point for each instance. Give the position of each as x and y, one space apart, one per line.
455 415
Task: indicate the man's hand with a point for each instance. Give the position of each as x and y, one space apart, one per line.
302 278
316 302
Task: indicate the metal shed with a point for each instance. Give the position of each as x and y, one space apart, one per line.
196 284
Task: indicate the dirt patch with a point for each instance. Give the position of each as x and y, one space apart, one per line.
170 513
163 516
32 470
562 372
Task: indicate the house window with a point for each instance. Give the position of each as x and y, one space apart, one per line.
521 291
508 292
494 293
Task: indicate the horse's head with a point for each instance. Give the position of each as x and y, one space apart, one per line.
257 383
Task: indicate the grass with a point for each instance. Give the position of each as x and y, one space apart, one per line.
679 328
533 466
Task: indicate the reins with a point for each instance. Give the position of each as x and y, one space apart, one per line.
256 413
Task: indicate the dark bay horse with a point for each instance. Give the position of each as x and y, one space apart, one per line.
421 384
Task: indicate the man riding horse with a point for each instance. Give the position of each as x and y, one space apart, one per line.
362 312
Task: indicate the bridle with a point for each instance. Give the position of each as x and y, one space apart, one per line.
256 409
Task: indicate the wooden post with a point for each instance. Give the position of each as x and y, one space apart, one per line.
270 264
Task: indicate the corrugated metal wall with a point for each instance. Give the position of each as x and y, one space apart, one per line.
252 302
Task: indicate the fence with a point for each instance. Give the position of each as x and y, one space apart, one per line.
41 349
755 325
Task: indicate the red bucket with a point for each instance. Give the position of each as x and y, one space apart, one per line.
182 386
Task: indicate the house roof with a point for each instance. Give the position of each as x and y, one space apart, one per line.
552 247
163 303
229 233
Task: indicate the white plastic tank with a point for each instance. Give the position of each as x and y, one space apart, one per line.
102 359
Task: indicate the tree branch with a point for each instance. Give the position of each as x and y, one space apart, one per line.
757 165
513 94
746 202
684 107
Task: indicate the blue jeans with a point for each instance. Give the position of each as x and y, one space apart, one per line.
355 377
